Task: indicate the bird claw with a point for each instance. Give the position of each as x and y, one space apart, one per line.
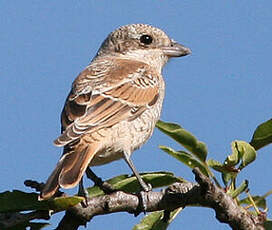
84 193
143 200
149 187
85 202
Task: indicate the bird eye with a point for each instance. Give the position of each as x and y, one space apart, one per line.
146 39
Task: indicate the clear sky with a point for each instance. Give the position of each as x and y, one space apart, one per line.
220 93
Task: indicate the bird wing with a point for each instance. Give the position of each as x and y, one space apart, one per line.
105 93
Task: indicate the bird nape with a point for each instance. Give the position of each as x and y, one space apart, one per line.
114 104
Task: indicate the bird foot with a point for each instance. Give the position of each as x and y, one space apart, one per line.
147 187
143 201
84 193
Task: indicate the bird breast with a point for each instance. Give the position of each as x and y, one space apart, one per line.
127 136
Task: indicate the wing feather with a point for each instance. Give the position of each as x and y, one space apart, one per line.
123 92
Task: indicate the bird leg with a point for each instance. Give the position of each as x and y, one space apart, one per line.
146 187
83 192
106 187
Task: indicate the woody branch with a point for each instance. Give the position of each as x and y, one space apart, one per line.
203 193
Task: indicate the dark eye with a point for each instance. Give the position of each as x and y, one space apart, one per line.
146 39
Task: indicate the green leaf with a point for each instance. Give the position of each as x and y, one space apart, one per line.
17 201
239 190
24 226
185 138
185 158
262 135
130 184
156 221
248 153
20 201
232 159
38 226
216 165
259 201
62 203
268 225
227 177
241 151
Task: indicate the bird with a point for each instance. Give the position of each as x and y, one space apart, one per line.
114 104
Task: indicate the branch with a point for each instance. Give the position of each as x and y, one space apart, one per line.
226 209
205 193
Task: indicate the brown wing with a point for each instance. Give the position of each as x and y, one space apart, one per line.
103 97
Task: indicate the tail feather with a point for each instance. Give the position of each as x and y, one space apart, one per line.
71 174
69 170
52 183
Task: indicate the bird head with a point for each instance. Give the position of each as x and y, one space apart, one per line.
142 42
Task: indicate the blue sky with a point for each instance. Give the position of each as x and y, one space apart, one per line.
220 93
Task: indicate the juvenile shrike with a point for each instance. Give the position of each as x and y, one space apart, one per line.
114 103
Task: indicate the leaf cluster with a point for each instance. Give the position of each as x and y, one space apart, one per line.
242 154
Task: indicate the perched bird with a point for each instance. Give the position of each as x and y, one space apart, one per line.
114 103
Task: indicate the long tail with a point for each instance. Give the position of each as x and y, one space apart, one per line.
69 170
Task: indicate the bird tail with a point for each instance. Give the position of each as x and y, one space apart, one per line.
69 169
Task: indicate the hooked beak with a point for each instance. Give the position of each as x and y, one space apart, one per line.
176 50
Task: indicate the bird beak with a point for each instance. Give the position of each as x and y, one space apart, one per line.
176 50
